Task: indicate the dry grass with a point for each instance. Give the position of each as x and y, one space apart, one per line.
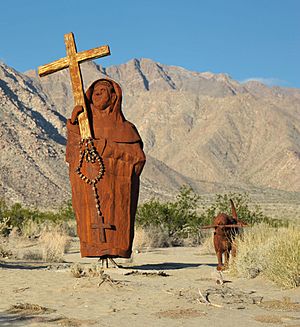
151 237
46 241
54 243
33 229
273 252
5 250
94 270
284 267
28 309
4 224
207 245
253 247
50 244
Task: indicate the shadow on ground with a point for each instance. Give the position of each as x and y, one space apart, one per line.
170 266
14 320
22 265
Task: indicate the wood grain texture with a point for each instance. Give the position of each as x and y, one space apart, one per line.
83 56
72 61
77 85
93 53
53 67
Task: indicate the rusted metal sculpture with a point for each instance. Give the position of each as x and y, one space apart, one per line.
226 229
105 157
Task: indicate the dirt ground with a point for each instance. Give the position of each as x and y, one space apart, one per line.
160 287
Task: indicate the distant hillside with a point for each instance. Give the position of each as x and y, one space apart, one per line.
203 129
205 126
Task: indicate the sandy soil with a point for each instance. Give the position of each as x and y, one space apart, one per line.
41 294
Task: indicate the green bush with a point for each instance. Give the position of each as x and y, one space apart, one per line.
184 217
244 213
178 218
19 216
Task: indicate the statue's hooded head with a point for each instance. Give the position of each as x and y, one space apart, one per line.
104 98
105 95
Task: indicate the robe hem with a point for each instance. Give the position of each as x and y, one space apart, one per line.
90 251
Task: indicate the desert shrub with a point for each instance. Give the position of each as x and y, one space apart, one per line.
241 202
47 241
33 229
284 258
207 244
66 212
253 247
54 243
5 226
5 250
179 219
149 237
182 218
274 252
24 218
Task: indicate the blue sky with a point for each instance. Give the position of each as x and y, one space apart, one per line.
246 39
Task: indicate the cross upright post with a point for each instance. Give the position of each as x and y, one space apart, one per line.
73 60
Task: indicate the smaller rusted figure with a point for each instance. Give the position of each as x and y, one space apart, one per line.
226 230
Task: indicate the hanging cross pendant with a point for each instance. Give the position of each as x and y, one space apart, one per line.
101 226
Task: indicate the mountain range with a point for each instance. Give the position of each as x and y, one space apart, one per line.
202 129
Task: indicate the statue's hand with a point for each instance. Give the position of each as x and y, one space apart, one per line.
76 111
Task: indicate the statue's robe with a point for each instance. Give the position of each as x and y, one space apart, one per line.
120 146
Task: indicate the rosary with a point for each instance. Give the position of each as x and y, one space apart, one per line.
89 153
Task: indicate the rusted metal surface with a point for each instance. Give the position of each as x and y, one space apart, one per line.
105 157
101 226
226 226
105 208
72 61
226 230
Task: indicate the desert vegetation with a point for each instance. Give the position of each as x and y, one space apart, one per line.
268 246
273 252
23 218
179 222
32 234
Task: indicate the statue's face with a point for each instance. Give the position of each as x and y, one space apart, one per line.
101 97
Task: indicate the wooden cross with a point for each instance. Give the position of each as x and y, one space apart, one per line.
102 228
73 60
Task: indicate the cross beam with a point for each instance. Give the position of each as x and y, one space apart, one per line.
102 228
73 60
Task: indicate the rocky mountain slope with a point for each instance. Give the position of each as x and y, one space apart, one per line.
205 126
199 128
32 144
